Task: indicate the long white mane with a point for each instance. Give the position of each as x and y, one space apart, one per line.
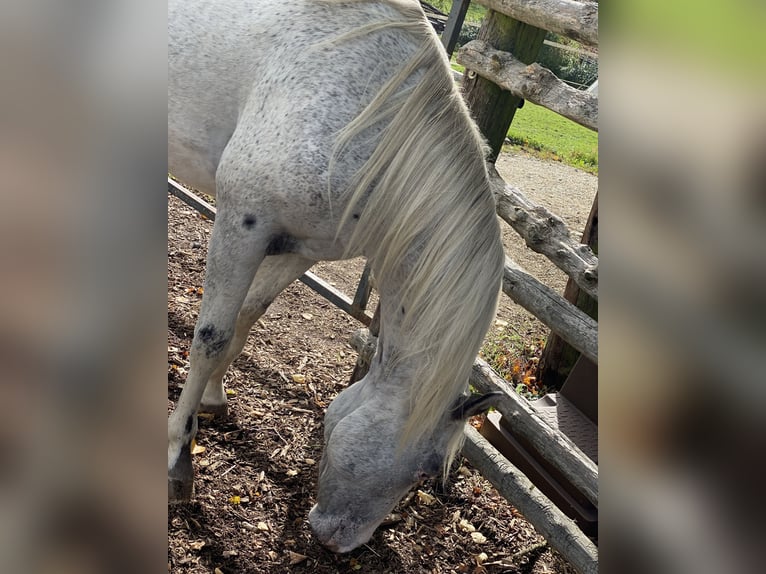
430 206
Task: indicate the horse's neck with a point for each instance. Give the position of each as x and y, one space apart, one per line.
393 360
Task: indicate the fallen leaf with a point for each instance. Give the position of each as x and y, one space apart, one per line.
198 449
231 392
296 558
197 545
262 526
217 571
426 498
478 537
307 316
298 378
291 472
309 461
230 553
235 499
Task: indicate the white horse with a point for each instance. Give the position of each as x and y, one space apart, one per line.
329 129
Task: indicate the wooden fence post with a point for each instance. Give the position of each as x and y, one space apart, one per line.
492 107
558 356
454 24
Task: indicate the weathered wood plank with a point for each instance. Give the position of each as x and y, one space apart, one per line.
576 20
179 191
571 324
532 82
559 530
545 233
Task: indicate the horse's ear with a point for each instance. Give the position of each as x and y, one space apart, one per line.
468 406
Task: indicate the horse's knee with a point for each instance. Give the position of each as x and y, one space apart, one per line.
212 340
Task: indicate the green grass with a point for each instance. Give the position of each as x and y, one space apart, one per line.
474 15
455 65
546 134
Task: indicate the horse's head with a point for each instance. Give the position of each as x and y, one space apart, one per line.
365 470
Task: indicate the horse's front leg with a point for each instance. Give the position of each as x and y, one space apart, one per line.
274 274
234 254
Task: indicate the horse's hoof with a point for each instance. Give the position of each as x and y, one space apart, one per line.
180 490
181 477
218 411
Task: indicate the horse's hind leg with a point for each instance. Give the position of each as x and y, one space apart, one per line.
274 274
235 252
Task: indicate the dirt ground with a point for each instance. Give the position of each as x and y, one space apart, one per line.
256 472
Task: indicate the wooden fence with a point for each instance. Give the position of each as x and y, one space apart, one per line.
503 57
506 77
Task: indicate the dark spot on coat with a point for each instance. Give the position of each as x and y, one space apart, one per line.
281 244
249 221
189 424
213 340
355 216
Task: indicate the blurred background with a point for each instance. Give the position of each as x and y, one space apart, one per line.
83 306
83 290
683 252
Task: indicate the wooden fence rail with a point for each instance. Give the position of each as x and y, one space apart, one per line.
564 319
531 82
576 20
554 447
558 529
545 233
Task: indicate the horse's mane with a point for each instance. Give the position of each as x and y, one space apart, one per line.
431 205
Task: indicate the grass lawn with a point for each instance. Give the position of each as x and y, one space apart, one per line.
545 133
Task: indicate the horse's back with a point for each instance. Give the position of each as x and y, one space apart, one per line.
253 75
